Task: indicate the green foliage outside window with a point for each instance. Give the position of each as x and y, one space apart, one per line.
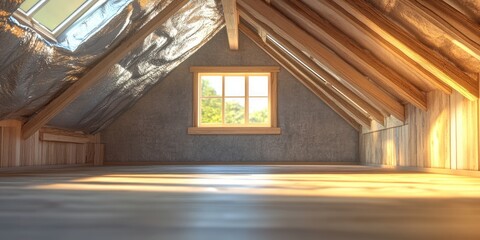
211 109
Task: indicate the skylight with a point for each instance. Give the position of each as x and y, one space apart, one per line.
52 17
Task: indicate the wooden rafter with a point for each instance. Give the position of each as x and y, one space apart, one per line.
442 69
94 74
464 32
341 43
305 42
231 22
312 81
329 80
305 80
332 9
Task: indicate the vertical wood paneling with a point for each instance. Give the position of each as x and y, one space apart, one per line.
15 151
30 150
437 131
466 130
3 148
10 143
95 153
445 136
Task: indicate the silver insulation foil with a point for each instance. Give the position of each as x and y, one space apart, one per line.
34 71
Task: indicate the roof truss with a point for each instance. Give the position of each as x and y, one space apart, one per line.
421 54
324 78
231 21
310 82
342 44
463 30
332 63
336 12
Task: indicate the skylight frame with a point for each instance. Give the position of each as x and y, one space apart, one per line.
27 19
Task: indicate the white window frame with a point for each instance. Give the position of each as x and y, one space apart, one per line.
27 19
270 128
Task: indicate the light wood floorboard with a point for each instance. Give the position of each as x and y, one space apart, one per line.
237 202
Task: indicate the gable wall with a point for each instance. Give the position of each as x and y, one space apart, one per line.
155 128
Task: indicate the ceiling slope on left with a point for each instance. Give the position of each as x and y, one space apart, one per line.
33 71
126 82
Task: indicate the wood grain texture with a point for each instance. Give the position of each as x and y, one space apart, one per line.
224 69
445 137
45 147
383 49
233 130
327 79
50 137
305 42
10 131
452 22
307 80
442 69
231 22
274 100
348 49
95 153
240 202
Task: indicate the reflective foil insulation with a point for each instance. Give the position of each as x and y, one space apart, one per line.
34 71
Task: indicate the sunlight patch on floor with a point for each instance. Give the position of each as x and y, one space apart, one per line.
397 185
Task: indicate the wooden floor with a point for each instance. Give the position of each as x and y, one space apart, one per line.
238 202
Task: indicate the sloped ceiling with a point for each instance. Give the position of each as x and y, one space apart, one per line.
402 48
33 71
366 59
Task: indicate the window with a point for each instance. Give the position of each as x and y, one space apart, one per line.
51 18
234 100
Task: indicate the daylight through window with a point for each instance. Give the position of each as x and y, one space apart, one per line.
51 17
235 97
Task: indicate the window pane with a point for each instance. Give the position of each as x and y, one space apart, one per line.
211 86
211 111
55 12
235 86
234 110
258 86
28 4
258 110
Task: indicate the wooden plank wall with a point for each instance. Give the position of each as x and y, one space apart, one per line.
47 146
445 136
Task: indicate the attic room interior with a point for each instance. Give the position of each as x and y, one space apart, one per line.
246 119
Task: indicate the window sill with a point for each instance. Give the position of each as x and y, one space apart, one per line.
234 131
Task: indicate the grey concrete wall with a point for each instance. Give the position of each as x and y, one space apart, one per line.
155 128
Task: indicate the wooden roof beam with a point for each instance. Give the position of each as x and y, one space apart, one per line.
333 9
356 122
427 58
329 80
329 95
93 75
305 42
341 43
231 22
465 33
